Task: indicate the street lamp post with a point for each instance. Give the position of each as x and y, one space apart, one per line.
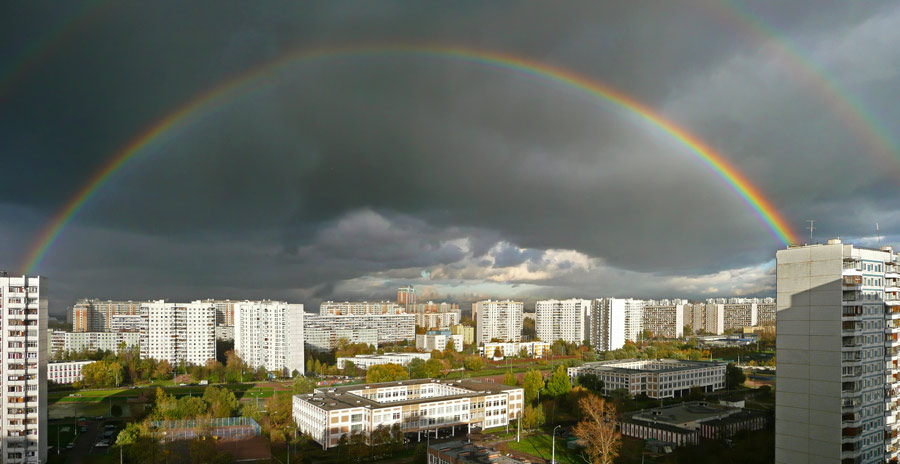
553 446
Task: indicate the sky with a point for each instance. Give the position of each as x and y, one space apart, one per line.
345 178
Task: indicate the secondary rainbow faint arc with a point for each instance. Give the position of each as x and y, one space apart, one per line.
248 80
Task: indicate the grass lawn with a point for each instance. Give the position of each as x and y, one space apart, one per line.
540 445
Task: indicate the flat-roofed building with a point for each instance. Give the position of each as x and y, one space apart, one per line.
468 333
685 423
664 318
365 361
466 452
418 406
438 340
66 372
657 378
91 341
567 320
498 320
511 349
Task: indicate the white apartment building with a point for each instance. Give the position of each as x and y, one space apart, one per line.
615 320
422 405
500 320
437 340
66 372
23 355
657 378
91 341
360 308
664 318
511 349
567 320
270 334
365 361
178 332
437 320
224 317
323 332
126 323
838 319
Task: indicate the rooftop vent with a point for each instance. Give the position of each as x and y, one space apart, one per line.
887 248
834 241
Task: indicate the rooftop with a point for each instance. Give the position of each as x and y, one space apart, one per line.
683 413
650 365
467 452
332 398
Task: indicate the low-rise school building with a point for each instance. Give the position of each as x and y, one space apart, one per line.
419 406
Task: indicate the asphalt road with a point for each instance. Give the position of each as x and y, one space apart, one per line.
83 443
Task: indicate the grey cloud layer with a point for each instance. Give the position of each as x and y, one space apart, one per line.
346 176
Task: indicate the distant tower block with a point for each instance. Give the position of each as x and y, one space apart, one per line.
406 296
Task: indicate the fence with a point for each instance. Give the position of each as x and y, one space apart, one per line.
221 428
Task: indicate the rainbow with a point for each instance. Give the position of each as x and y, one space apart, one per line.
864 125
222 94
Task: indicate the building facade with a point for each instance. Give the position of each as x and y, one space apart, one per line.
438 340
615 320
466 452
23 356
360 308
365 361
838 355
178 332
388 328
270 334
567 320
657 378
468 333
664 318
93 315
500 320
66 372
511 349
418 406
91 341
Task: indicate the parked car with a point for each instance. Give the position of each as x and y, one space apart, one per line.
102 443
83 429
70 445
109 426
98 418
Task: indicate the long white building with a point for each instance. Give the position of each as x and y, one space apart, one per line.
419 406
838 320
323 332
365 361
501 320
91 341
615 320
178 332
23 355
94 315
657 378
270 334
567 320
66 372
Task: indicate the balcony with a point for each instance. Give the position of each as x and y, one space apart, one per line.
851 296
851 282
854 313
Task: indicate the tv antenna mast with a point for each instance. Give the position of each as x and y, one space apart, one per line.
878 234
811 228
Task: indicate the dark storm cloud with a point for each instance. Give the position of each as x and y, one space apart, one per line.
342 177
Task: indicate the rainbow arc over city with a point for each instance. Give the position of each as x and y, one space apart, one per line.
208 103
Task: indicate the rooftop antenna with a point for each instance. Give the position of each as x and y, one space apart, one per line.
811 228
878 234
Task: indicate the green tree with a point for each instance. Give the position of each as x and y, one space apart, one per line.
386 373
433 368
734 376
302 385
163 370
416 369
533 417
220 402
591 382
451 346
474 363
558 385
350 369
510 379
532 383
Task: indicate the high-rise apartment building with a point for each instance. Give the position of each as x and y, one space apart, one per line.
406 297
270 334
179 332
433 315
23 356
664 318
838 356
91 341
500 320
567 320
615 320
93 315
